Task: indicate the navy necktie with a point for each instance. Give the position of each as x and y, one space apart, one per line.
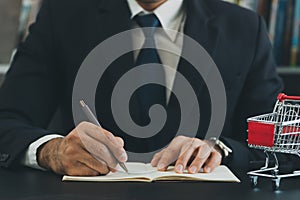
152 93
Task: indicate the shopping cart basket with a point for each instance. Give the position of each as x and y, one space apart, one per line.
276 132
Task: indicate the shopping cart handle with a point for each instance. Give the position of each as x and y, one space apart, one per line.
282 97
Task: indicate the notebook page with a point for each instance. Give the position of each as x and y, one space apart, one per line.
221 173
136 171
147 173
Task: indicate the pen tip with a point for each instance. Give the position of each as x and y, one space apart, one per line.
124 167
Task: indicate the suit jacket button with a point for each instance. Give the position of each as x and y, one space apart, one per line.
4 157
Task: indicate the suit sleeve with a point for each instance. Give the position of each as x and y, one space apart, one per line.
258 96
27 101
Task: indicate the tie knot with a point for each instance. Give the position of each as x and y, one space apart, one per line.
148 21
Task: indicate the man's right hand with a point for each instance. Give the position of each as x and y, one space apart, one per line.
87 150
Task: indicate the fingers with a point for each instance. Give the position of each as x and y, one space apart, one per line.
115 140
186 154
81 170
84 151
104 137
204 152
98 150
213 161
120 141
169 154
188 150
95 164
156 158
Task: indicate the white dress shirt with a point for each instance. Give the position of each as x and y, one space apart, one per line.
172 23
171 15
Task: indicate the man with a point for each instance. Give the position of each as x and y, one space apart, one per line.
42 76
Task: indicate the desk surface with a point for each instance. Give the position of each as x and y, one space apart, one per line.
33 184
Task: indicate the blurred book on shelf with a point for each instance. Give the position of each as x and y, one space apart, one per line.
283 20
28 13
295 47
250 4
15 18
9 22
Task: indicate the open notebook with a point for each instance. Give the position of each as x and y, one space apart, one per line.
146 173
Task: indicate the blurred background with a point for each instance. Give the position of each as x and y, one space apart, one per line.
282 18
9 20
15 18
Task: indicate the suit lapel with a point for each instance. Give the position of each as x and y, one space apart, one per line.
114 18
199 26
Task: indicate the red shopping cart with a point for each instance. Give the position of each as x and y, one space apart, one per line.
277 132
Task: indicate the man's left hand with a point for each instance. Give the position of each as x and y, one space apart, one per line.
188 153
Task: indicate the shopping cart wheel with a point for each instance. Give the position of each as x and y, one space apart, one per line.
254 180
275 183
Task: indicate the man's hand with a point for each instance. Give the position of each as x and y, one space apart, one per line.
88 150
189 153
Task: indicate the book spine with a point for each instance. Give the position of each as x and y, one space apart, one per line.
249 4
35 5
296 34
272 23
298 54
288 33
261 7
23 19
40 3
269 3
29 12
279 30
230 1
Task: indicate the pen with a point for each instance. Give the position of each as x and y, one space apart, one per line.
94 120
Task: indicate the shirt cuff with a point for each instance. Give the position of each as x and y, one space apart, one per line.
30 157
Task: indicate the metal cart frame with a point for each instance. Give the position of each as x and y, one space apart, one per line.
277 132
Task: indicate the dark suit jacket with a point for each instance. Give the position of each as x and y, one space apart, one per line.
41 77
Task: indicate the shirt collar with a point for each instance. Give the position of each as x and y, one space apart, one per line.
169 20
